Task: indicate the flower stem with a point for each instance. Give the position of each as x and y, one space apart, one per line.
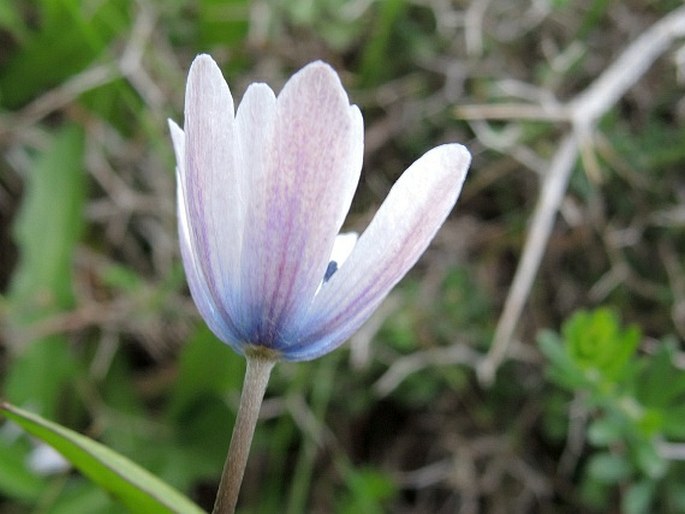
254 387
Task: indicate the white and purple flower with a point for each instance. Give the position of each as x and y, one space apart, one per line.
262 196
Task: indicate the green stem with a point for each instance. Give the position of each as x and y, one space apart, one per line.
254 387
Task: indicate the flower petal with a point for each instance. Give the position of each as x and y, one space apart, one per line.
343 246
298 204
254 127
212 183
211 312
199 289
178 138
414 210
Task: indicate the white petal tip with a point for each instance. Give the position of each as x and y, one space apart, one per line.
455 153
205 74
203 60
316 75
450 161
173 127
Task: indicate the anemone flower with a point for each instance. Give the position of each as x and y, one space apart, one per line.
262 195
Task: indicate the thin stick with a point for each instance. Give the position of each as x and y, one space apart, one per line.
584 111
550 198
254 387
600 96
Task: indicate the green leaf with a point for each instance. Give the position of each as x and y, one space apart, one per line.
207 367
660 387
656 378
638 498
562 370
609 468
122 278
47 228
51 54
16 480
598 344
649 461
376 50
224 22
368 488
10 19
44 390
83 496
674 422
605 431
676 495
135 487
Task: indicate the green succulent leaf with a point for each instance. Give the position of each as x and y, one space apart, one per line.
596 342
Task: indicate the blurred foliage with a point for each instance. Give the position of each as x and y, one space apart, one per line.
97 331
634 407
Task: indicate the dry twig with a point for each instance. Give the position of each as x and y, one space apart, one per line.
582 112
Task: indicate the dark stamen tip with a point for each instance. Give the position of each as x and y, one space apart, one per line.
332 268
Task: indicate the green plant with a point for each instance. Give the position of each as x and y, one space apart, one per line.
634 406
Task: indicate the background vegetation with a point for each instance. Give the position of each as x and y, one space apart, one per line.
533 360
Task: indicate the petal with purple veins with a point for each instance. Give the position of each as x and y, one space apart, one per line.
298 205
414 210
211 181
210 309
254 128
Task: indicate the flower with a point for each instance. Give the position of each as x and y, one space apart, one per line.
262 196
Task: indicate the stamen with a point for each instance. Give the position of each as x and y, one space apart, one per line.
332 268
